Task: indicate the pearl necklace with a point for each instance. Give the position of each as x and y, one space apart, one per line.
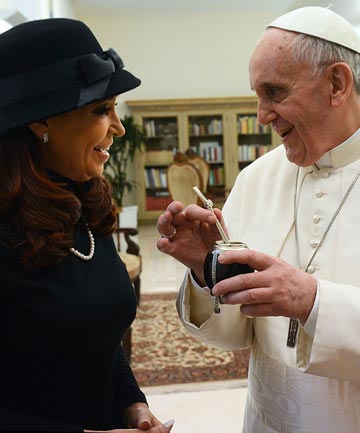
92 246
294 323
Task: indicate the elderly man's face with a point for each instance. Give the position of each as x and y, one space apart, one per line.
294 102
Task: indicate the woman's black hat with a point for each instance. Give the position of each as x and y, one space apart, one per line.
52 66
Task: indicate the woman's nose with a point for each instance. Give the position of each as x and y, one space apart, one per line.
117 127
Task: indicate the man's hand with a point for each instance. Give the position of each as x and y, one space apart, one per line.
276 289
188 235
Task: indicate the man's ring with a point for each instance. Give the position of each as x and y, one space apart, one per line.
169 237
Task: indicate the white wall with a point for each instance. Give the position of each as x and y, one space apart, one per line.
18 11
63 8
182 55
179 55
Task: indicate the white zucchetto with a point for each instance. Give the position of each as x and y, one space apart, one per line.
322 23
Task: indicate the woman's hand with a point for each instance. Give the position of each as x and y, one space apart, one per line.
188 235
163 428
138 415
140 419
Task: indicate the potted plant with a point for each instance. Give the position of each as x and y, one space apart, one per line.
121 152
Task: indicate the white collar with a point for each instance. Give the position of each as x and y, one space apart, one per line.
341 155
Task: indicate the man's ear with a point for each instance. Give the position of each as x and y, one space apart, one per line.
39 128
342 83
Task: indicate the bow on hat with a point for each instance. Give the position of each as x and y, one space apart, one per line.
90 70
94 68
97 74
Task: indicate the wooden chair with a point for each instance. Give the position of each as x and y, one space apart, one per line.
181 177
203 168
132 260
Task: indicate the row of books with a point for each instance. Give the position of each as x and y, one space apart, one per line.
211 151
158 202
216 176
245 125
157 128
214 127
155 177
250 125
249 152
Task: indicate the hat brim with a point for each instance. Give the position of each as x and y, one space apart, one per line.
61 101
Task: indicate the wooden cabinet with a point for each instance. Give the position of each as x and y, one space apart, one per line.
224 131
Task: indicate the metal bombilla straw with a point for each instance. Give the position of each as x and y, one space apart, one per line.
209 205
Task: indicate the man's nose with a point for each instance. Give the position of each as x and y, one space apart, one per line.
265 113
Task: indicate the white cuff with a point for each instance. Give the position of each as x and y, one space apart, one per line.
196 285
310 325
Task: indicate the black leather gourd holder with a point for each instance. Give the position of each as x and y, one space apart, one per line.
215 271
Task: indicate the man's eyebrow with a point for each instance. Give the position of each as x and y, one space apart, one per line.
264 85
270 84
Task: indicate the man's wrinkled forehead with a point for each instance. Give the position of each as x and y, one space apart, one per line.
272 44
271 59
278 39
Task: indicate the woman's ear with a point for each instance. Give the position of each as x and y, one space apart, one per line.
39 129
342 83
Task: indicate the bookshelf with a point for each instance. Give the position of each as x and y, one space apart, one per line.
254 140
205 135
161 143
224 131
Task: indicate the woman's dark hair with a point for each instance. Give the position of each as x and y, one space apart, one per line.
39 213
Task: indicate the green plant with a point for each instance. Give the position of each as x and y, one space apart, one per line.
121 152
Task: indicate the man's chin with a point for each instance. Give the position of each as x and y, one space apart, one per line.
291 155
296 158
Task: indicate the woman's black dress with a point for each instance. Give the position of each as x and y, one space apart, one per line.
61 364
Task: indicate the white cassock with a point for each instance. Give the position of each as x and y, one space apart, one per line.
314 387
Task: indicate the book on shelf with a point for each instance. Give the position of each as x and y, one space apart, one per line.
216 176
160 127
158 203
156 174
149 179
149 127
250 152
163 178
194 129
211 151
155 177
250 125
214 127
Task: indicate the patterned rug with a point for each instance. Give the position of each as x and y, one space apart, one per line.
164 353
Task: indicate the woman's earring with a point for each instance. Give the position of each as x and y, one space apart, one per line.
46 137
